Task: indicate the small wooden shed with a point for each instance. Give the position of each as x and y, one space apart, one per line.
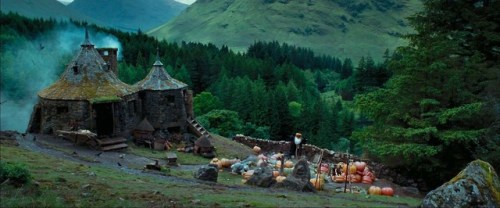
143 132
204 147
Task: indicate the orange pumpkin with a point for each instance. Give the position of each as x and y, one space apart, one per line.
288 164
360 166
280 179
387 191
339 178
278 164
374 190
248 174
367 180
276 173
225 163
356 178
256 150
317 183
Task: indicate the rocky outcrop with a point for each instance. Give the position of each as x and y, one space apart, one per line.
475 186
262 177
207 173
299 179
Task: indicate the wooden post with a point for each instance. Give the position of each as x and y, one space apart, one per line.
346 172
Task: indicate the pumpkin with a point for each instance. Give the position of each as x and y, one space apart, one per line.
360 166
344 167
248 174
387 191
280 179
367 180
243 180
288 164
352 169
276 173
214 160
278 164
356 178
225 163
256 150
339 178
317 183
374 190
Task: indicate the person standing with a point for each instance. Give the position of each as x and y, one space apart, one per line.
296 145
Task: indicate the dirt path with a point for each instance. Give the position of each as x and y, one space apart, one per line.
120 160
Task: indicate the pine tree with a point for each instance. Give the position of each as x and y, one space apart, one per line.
433 114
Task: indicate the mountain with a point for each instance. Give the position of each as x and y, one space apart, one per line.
130 15
43 9
343 28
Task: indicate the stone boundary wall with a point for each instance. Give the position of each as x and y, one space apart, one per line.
329 156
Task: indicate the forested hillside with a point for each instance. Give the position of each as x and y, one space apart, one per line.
341 28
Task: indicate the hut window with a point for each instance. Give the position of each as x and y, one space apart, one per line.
75 69
62 109
170 98
106 53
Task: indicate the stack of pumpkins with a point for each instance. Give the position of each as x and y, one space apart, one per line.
358 173
386 191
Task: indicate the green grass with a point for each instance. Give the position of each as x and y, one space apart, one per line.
61 183
182 157
238 24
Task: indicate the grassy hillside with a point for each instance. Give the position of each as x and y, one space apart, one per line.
341 28
63 183
130 15
43 9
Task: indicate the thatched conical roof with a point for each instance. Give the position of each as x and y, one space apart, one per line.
159 79
87 77
145 126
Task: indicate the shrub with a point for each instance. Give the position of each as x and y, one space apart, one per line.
16 172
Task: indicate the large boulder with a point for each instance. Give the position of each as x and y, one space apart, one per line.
475 186
262 177
207 173
299 179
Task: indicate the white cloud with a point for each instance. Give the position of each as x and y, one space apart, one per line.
65 2
186 1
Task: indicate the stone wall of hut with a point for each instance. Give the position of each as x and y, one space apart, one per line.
164 109
127 114
62 115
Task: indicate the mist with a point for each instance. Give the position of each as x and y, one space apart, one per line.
29 66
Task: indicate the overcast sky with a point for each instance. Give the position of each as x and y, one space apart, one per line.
182 1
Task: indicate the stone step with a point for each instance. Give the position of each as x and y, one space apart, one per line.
109 141
114 147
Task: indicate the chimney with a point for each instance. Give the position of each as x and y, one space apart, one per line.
110 56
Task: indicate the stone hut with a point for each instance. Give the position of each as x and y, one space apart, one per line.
143 133
164 100
88 95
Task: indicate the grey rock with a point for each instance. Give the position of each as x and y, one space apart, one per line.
475 186
262 177
207 173
299 179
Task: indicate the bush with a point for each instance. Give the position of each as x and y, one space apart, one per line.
16 172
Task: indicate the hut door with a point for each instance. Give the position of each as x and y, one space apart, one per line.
104 118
